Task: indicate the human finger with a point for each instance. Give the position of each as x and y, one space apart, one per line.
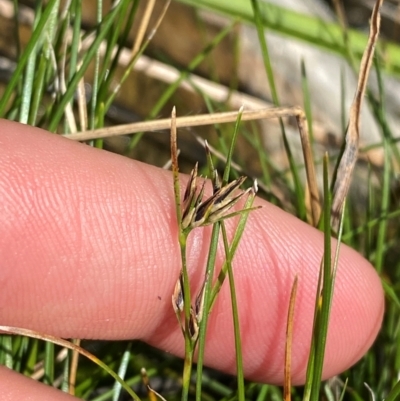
89 250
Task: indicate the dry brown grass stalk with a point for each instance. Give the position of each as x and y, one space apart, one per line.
350 153
220 118
289 340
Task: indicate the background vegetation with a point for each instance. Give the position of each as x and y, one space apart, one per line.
69 73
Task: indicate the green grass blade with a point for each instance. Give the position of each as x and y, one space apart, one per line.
49 364
167 94
394 393
299 193
382 227
32 347
6 351
323 299
103 30
313 30
123 367
211 258
35 38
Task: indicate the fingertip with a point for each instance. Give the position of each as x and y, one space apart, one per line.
14 386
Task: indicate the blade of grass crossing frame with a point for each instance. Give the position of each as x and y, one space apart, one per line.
49 364
20 348
228 261
289 342
379 108
308 28
163 99
394 393
118 39
38 90
103 30
221 139
344 389
6 351
299 193
76 38
132 62
73 367
65 385
229 157
96 74
211 262
233 247
123 367
42 48
182 238
17 40
368 237
307 103
28 76
323 298
175 170
32 347
382 226
35 38
236 324
212 254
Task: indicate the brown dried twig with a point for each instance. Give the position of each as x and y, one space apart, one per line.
349 157
289 341
219 118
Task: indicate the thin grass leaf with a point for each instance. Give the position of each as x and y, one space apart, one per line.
6 354
32 347
311 29
289 341
65 385
391 293
123 367
378 106
135 57
18 72
30 72
184 277
236 323
96 74
211 258
64 343
382 226
49 362
233 246
307 103
344 390
394 394
164 97
271 80
73 368
103 30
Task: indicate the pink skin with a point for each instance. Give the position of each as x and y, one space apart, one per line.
88 248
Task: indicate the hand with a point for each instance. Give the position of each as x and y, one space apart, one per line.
88 249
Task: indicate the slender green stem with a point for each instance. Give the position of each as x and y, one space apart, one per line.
189 346
87 59
382 227
301 208
18 72
212 254
235 314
